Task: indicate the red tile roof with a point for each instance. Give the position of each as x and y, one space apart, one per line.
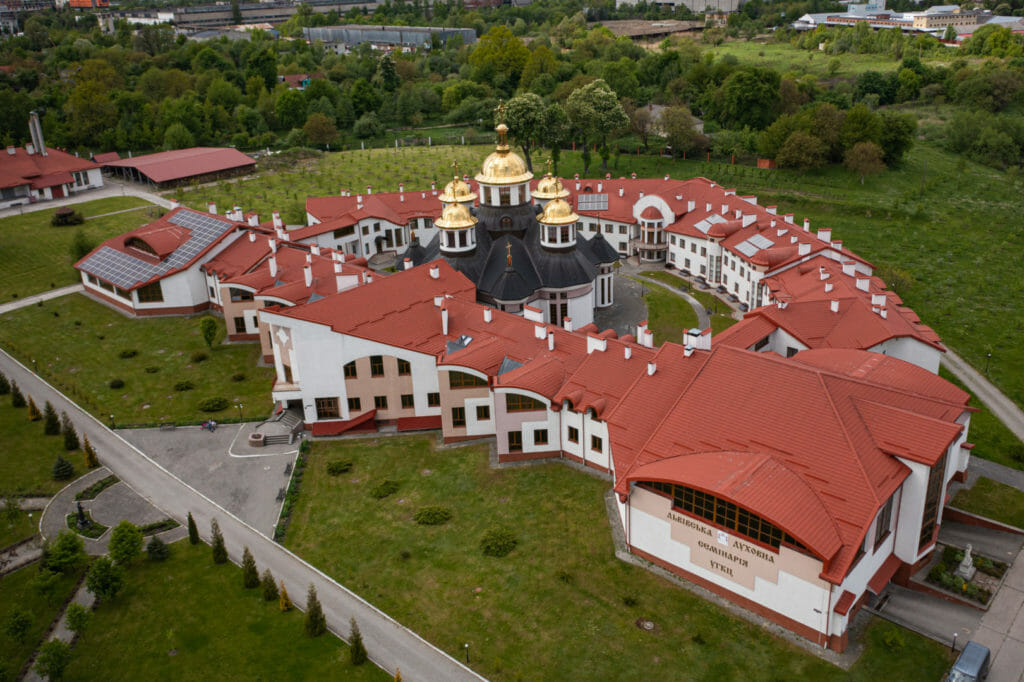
185 163
22 168
337 212
883 575
105 157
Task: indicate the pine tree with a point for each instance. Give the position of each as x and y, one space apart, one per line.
285 602
157 549
33 411
91 460
269 586
51 423
62 469
316 623
250 574
356 648
5 385
398 675
17 399
193 532
67 429
220 552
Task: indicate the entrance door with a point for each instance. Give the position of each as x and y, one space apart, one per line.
58 191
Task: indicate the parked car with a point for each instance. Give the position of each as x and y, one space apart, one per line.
972 665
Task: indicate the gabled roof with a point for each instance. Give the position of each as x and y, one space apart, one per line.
37 170
336 212
184 163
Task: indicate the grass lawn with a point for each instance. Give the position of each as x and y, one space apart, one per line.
36 256
27 456
720 315
217 629
992 440
18 527
784 58
667 314
554 608
17 589
81 359
995 500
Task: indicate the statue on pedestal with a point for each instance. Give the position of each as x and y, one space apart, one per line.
966 568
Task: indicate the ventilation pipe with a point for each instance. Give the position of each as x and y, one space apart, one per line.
435 272
652 368
487 315
551 341
444 321
307 273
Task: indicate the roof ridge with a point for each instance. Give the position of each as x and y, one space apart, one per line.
849 441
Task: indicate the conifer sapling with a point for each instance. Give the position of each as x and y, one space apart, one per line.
285 602
5 385
316 622
17 399
269 586
68 430
33 412
193 532
51 422
220 552
250 574
356 648
91 460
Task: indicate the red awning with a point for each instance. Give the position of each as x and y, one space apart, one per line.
884 574
845 602
336 428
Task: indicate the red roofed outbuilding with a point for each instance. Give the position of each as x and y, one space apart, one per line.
196 164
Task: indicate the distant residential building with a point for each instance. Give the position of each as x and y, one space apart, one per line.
933 20
341 39
711 7
298 81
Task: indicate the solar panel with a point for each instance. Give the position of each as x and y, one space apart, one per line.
125 271
706 224
754 244
592 202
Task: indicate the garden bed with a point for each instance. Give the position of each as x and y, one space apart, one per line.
92 528
980 588
96 488
159 526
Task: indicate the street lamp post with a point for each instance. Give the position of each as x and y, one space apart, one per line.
988 357
111 421
239 406
466 645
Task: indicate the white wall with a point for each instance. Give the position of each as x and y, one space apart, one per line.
911 350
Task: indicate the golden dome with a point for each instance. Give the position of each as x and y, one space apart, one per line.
457 191
550 187
503 167
455 217
558 212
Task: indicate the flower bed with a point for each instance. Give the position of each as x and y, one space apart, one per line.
979 588
96 488
92 529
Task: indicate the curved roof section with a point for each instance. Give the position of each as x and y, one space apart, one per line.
753 480
725 228
503 166
550 187
455 217
161 240
651 213
457 191
558 212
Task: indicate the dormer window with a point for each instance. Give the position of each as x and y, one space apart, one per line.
139 245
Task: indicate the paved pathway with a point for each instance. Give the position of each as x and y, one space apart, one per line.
28 503
390 645
61 631
111 188
1002 407
36 298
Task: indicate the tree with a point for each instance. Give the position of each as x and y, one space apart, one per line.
53 659
51 423
316 622
193 532
897 136
105 578
679 126
220 552
320 129
208 329
33 411
368 125
67 429
556 131
269 586
80 246
250 574
5 385
386 75
364 97
17 399
864 159
861 125
77 617
64 553
18 623
290 109
595 113
63 470
177 136
639 122
802 151
125 543
91 461
748 97
157 549
621 77
524 116
356 648
499 57
285 602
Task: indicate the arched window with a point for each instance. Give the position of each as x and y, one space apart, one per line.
505 222
136 243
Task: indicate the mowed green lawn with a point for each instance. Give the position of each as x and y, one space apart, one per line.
18 527
35 257
27 456
992 440
992 499
76 345
667 314
190 619
19 589
721 317
784 58
556 607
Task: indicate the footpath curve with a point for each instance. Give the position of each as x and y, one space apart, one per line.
390 645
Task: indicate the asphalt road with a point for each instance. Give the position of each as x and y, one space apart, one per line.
390 645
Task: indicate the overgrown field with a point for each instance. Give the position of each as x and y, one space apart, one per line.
560 605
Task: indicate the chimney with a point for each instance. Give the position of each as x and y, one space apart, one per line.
551 341
884 313
627 352
252 236
488 315
633 175
640 194
314 249
850 269
272 262
309 258
828 287
238 214
725 210
438 300
444 320
406 263
435 272
600 186
652 368
837 245
272 243
36 131
696 338
666 177
433 188
863 283
359 199
12 150
339 277
687 351
540 331
649 339
823 273
707 206
278 223
567 323
212 208
369 190
533 314
622 190
833 306
596 343
254 219
307 272
30 149
807 225
877 299
825 235
281 234
803 249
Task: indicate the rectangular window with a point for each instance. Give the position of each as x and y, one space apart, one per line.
622 229
345 232
608 229
596 443
540 436
573 435
354 405
505 196
376 365
151 293
239 325
240 294
515 402
483 413
932 502
458 416
380 402
761 344
703 250
693 247
463 380
366 230
327 408
407 401
883 522
433 400
404 368
350 370
515 441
